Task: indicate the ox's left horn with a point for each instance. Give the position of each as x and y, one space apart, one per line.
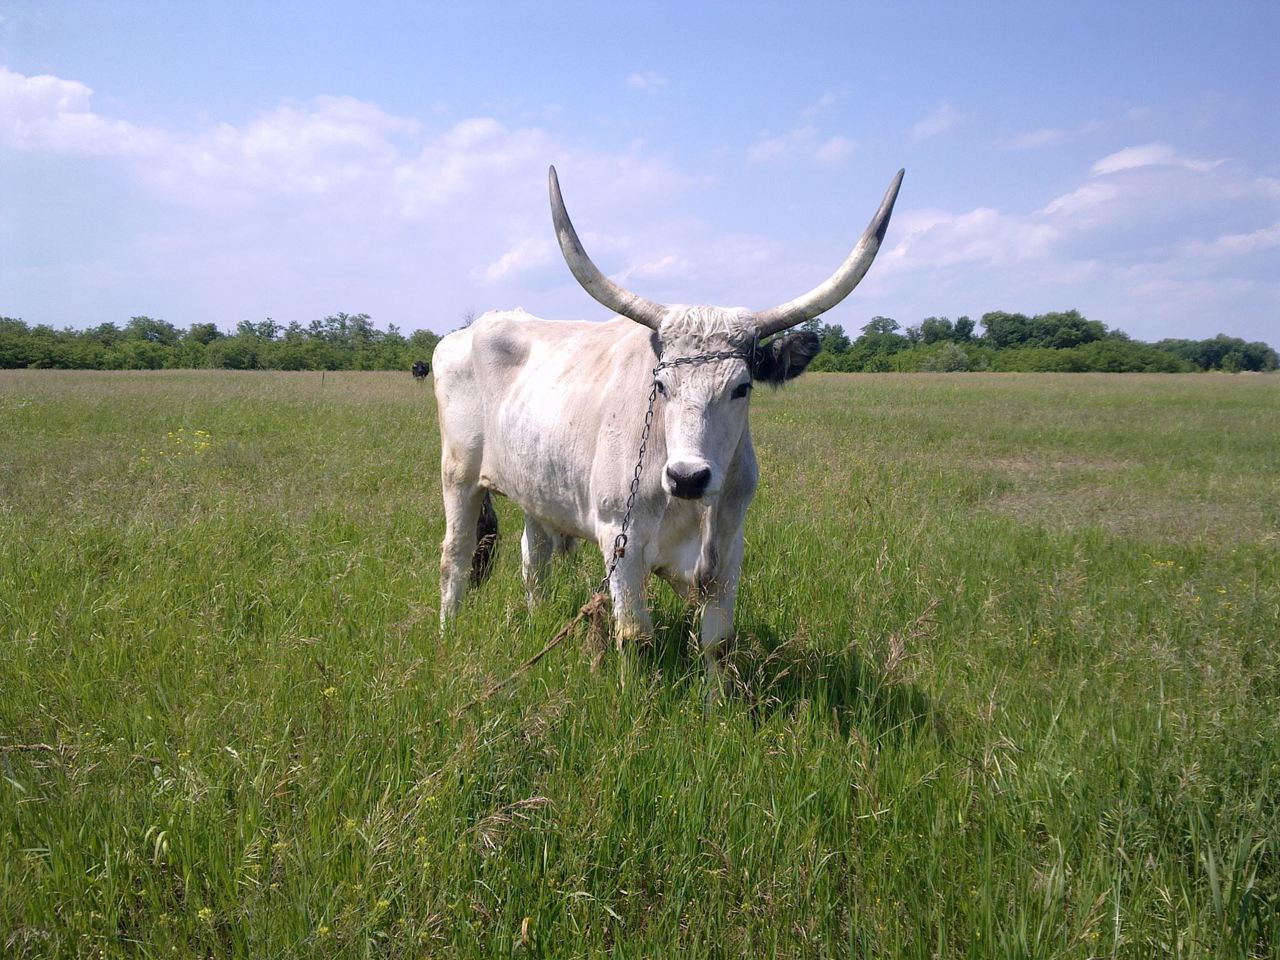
822 298
593 281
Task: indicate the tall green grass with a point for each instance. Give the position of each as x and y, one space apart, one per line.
1008 684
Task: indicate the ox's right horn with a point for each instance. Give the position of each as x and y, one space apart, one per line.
822 298
593 281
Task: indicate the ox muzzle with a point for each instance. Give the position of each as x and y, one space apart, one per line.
687 480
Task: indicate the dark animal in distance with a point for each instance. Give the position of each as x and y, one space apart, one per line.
420 369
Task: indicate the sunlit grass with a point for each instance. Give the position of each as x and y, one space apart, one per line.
1008 684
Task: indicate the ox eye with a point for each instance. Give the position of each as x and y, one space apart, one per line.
661 387
741 390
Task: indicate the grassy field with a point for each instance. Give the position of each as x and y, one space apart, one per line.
1008 684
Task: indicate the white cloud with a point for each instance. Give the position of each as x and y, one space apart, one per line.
648 81
331 145
805 141
1085 197
1122 249
527 254
932 239
1104 220
663 268
306 203
944 118
1236 244
836 150
1037 138
784 147
48 114
801 143
334 203
820 106
1150 155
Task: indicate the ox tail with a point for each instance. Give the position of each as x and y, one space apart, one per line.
486 542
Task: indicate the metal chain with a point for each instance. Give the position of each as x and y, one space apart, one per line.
620 541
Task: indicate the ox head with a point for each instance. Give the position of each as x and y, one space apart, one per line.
711 356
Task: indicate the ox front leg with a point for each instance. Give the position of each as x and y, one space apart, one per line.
720 595
626 587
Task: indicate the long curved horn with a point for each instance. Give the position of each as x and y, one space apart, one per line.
593 281
822 298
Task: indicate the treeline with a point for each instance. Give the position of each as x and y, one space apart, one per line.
1063 342
338 342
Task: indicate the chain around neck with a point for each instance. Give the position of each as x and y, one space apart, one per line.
620 541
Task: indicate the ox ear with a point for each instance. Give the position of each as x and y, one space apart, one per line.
786 357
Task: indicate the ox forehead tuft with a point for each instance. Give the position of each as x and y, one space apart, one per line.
699 329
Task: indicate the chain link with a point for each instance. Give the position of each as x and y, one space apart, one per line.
620 541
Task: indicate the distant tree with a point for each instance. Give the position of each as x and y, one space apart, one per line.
266 329
152 331
1004 330
1057 341
106 334
233 353
14 344
361 329
879 341
422 343
1212 354
1258 357
330 329
295 353
948 357
933 329
880 325
202 333
833 339
1063 330
140 354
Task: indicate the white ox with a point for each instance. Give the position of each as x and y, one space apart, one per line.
550 414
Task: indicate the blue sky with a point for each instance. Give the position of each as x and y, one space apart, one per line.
222 162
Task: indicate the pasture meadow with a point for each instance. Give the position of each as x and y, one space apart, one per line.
1007 685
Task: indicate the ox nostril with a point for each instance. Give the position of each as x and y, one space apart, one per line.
688 484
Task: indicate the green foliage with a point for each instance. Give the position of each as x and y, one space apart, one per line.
1063 342
933 329
338 342
1004 330
1100 356
202 333
1052 330
947 357
151 331
1223 353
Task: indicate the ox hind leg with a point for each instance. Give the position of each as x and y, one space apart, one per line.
471 530
486 541
537 544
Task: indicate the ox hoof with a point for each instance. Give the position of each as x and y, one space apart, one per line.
628 636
